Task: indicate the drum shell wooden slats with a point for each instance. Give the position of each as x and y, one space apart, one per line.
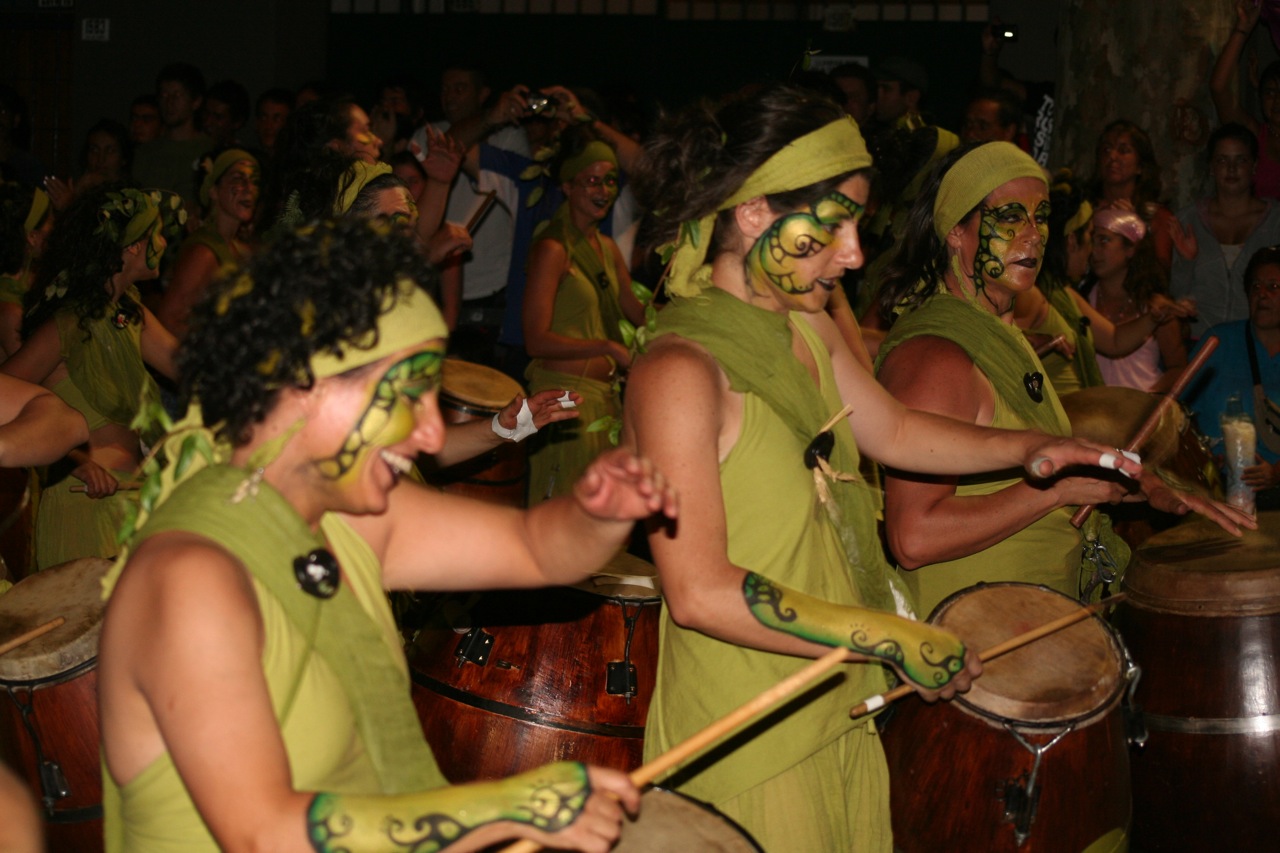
542 694
1203 622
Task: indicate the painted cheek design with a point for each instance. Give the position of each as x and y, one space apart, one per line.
387 420
997 229
797 236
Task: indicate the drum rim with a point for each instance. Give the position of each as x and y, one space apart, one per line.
1098 712
711 810
449 395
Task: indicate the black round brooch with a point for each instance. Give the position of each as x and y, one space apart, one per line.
317 573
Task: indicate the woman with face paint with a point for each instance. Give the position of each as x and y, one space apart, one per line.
741 400
578 290
229 197
86 338
974 245
254 695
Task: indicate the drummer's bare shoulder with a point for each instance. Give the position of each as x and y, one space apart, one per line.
936 375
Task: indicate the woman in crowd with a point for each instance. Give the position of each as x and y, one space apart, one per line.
1123 277
1223 88
578 291
974 244
229 181
26 220
741 400
86 338
1228 226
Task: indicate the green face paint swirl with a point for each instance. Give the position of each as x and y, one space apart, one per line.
799 235
387 419
997 229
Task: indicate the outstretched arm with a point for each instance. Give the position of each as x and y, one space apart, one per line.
1221 83
36 427
470 439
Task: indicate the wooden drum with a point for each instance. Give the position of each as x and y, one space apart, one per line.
472 392
524 677
1033 758
1203 621
49 710
670 822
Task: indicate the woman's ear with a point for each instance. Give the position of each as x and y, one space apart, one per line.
753 217
955 238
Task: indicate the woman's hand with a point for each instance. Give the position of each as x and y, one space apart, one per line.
1263 475
597 826
1160 495
442 158
1078 491
98 481
1055 453
620 486
546 407
922 644
449 241
510 107
1163 309
621 355
60 192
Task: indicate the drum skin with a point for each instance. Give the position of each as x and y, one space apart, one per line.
954 769
542 694
56 677
472 392
1203 621
669 822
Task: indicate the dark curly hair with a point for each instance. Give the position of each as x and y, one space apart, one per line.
89 257
701 157
312 291
1065 197
305 164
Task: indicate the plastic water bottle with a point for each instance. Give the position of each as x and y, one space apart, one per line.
1240 444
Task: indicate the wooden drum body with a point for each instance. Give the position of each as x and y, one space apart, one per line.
49 700
527 677
1203 621
1033 757
472 392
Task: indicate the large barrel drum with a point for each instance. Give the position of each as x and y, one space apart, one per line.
49 700
522 678
1033 759
1203 621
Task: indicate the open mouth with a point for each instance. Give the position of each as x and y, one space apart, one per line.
399 464
828 284
1027 263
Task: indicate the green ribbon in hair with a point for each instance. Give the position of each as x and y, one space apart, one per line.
409 317
594 152
357 176
834 149
39 207
219 167
972 178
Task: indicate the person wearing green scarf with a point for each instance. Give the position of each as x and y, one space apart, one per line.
578 291
88 338
752 404
254 691
975 248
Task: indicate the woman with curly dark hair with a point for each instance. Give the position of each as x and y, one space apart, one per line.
254 694
974 246
86 338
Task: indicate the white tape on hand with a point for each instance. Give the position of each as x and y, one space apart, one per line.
565 402
524 425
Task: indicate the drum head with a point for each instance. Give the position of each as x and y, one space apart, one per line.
669 821
1199 569
478 387
73 591
1111 415
1075 674
625 576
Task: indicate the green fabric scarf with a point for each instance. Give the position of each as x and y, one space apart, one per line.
1086 357
753 347
595 266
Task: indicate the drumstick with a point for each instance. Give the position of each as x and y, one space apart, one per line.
699 741
125 486
875 703
474 222
31 635
1149 425
1046 348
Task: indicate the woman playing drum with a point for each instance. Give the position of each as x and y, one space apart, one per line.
252 690
765 564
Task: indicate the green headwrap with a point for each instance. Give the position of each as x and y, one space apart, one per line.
358 174
129 215
1082 216
409 317
974 176
594 152
831 150
219 167
39 207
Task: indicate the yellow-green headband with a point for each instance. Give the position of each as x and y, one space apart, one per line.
1083 214
595 151
834 149
409 317
972 178
225 161
358 175
39 207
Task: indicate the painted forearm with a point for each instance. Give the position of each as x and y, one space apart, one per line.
925 654
548 798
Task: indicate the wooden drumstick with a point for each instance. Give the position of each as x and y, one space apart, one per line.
125 486
875 703
1153 419
474 222
1046 348
699 741
38 631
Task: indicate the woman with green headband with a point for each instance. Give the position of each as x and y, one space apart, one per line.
578 291
254 693
974 244
26 220
229 181
741 401
88 338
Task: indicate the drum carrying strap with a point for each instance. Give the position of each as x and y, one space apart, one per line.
1266 414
